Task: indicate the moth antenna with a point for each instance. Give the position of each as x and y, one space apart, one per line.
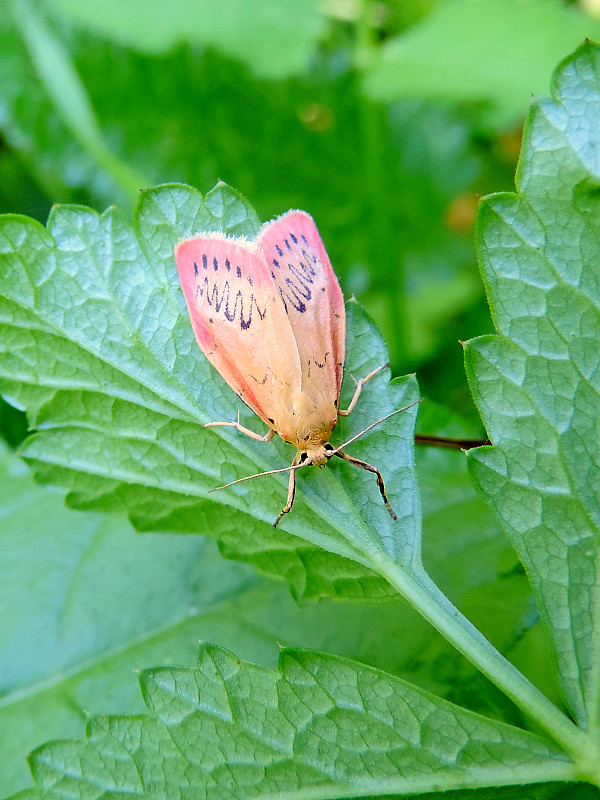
374 425
257 475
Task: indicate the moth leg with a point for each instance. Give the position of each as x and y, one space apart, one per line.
266 438
363 465
291 492
358 390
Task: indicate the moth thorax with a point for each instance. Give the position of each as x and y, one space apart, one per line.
312 421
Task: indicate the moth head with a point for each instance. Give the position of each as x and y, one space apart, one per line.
317 455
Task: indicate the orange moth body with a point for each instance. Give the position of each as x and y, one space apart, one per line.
269 315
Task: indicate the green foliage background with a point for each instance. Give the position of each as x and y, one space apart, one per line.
386 121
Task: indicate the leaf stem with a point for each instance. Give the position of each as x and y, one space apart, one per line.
448 443
426 597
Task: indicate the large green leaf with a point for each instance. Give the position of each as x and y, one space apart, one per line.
102 355
536 383
99 348
321 727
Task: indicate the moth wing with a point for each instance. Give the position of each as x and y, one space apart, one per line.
239 321
311 297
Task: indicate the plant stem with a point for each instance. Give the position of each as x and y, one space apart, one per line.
448 443
423 594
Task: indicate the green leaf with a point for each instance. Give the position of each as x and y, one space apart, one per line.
114 601
536 383
494 52
275 38
99 347
322 727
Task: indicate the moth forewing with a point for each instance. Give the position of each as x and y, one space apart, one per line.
311 296
239 321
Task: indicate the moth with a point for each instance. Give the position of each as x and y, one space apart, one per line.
269 315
